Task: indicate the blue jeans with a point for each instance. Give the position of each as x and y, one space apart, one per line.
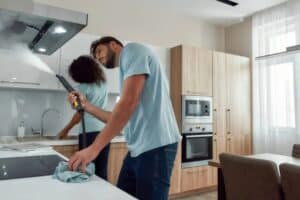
147 177
102 159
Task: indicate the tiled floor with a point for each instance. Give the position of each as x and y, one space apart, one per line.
204 196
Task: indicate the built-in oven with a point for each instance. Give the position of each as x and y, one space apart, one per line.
196 109
197 144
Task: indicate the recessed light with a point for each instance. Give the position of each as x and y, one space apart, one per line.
14 78
42 49
59 30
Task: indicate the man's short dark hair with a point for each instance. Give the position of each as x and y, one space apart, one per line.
85 69
105 41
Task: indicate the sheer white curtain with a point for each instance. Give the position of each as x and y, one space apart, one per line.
276 80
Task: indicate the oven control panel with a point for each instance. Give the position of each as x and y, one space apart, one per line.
197 128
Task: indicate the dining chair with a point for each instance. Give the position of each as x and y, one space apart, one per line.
296 151
290 179
248 178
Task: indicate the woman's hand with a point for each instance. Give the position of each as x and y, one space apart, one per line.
74 96
63 134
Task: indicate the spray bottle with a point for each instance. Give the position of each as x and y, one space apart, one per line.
21 130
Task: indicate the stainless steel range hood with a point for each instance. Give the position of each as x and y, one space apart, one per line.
42 27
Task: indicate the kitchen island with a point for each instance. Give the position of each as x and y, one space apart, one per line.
44 187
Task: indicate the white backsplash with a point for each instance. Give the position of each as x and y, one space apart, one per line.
26 105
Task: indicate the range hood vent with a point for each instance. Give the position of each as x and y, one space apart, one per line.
228 2
43 28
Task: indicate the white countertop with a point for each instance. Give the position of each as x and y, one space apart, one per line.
50 142
46 188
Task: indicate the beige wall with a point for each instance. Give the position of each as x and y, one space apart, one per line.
238 38
142 21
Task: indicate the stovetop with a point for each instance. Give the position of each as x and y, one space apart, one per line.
25 167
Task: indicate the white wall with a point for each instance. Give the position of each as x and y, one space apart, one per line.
238 38
132 22
142 21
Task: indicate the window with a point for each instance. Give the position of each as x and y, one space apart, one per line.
279 42
282 97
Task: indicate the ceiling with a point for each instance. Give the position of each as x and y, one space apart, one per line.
216 12
211 11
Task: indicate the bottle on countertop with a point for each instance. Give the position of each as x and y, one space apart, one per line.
21 130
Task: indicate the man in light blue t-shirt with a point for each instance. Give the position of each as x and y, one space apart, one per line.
145 111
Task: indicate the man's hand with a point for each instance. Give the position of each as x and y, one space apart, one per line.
73 96
83 158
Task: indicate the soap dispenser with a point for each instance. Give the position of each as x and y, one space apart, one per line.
21 130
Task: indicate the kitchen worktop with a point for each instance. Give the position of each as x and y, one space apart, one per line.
46 188
50 140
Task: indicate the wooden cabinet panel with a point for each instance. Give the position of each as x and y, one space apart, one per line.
117 153
238 113
196 71
191 70
219 146
66 150
232 104
176 82
219 93
197 177
175 186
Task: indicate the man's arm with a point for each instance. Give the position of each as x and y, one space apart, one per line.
97 112
132 90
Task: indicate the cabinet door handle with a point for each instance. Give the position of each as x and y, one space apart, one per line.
228 121
216 121
229 145
216 149
22 83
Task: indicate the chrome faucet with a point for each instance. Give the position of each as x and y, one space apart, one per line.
43 116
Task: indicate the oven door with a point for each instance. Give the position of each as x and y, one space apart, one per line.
197 149
196 109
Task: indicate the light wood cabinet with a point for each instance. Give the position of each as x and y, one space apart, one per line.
197 177
195 68
232 104
227 78
66 150
175 186
117 153
238 104
219 104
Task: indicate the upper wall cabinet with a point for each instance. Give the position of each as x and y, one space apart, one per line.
190 74
16 72
195 66
20 70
